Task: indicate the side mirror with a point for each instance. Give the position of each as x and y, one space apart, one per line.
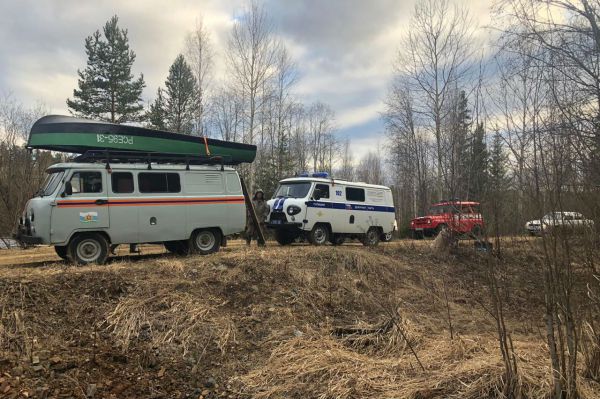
317 194
68 189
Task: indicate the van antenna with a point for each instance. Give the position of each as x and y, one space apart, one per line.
149 162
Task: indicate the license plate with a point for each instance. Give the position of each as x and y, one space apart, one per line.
419 229
276 221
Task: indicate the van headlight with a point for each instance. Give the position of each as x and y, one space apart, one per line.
293 210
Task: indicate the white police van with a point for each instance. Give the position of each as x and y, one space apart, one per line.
323 209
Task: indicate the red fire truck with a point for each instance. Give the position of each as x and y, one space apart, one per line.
462 217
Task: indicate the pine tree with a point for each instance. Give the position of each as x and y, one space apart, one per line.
478 178
156 116
459 128
107 89
497 175
180 101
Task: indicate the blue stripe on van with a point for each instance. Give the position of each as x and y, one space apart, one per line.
278 204
352 207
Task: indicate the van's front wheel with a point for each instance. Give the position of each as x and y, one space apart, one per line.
319 234
88 248
206 242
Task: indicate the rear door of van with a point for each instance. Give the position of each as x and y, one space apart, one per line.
236 209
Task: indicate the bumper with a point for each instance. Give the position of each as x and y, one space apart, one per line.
283 225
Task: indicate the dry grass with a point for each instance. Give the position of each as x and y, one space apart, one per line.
264 322
318 366
169 319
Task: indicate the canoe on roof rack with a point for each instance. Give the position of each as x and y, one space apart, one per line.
76 135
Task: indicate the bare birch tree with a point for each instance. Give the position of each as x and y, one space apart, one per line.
436 58
252 56
198 52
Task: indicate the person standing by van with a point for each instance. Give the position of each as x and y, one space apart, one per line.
262 210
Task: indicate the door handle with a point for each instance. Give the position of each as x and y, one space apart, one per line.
101 202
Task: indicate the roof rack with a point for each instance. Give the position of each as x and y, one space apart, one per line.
108 157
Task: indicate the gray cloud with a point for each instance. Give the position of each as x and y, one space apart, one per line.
344 48
337 26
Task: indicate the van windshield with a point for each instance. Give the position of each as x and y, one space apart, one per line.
52 181
294 190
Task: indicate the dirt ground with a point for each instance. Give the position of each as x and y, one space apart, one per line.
294 322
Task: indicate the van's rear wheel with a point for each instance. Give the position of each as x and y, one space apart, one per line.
177 247
371 237
206 241
319 234
88 248
284 237
61 251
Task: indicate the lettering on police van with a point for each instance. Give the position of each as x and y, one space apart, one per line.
364 207
338 193
114 139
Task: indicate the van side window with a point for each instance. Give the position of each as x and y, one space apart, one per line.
159 183
122 182
86 182
355 194
324 189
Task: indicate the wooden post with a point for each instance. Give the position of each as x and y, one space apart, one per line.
250 205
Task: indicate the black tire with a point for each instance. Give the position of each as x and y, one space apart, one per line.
338 239
284 237
205 241
319 235
371 237
88 248
181 248
387 237
61 251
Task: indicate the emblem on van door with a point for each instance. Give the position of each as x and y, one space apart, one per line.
88 217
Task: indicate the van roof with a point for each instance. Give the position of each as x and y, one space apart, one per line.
334 181
134 166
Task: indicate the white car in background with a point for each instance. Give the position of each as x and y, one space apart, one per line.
563 220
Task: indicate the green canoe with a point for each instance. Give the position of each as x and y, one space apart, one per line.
75 135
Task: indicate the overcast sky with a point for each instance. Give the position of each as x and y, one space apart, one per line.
344 49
